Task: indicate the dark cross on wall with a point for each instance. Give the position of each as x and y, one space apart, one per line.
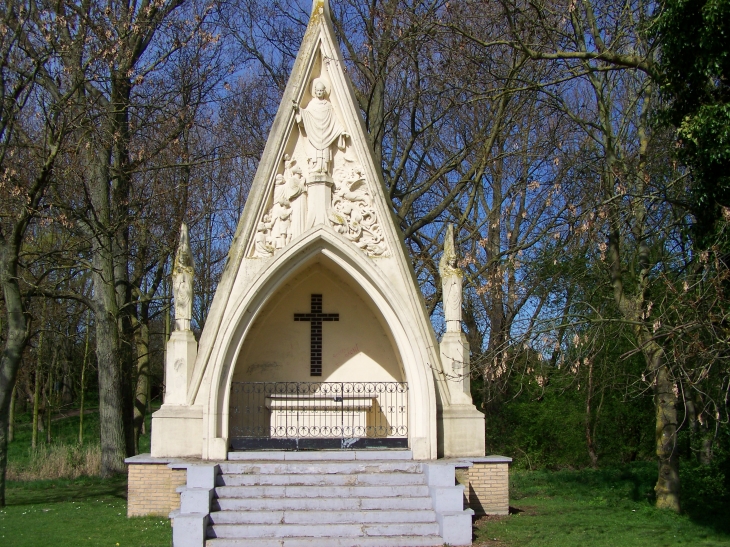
315 319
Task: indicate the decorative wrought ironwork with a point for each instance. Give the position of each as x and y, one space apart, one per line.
321 410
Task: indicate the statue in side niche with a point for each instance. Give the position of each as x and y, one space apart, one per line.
451 283
296 193
263 245
318 122
280 214
183 271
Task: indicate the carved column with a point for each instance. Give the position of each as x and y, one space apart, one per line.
319 199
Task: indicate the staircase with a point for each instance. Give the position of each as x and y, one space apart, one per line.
335 499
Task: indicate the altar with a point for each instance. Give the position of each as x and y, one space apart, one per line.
319 415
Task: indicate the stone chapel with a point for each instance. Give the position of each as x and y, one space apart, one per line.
317 346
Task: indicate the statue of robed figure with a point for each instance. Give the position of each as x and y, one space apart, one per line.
183 271
322 128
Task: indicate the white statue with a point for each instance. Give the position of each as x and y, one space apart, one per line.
451 283
263 245
183 271
280 214
296 193
320 125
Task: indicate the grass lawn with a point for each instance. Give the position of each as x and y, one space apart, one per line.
610 507
87 511
82 512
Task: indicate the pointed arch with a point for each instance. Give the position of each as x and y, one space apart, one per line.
410 342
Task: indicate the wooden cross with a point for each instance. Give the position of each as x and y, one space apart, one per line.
315 318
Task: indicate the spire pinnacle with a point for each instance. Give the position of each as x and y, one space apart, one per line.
321 6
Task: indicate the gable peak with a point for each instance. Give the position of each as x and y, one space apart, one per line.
320 7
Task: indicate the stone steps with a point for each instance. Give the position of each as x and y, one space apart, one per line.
321 504
307 500
354 499
331 479
397 541
308 516
321 455
321 491
243 531
320 467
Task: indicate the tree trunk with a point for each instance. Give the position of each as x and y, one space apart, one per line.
589 419
36 395
142 339
49 396
113 448
665 403
11 421
108 357
15 342
83 381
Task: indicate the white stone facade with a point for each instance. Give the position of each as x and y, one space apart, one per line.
318 221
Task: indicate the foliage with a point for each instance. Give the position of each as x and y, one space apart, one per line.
706 487
63 457
695 67
543 427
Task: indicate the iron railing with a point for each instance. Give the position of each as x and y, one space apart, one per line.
326 410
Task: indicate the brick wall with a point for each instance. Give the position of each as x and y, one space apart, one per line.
489 488
152 489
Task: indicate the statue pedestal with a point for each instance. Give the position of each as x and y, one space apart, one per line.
182 349
177 429
456 364
461 432
177 432
461 424
319 199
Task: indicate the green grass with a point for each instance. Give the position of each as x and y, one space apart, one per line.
608 507
83 512
597 508
88 511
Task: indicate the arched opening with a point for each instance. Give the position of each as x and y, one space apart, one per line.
319 368
393 309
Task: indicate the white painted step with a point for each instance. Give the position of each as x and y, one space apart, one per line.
321 491
317 467
308 516
304 479
321 504
241 531
397 541
325 455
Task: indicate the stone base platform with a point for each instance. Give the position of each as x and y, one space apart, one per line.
340 498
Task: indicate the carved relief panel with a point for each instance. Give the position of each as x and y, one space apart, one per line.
320 182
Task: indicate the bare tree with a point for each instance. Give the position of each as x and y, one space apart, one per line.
33 126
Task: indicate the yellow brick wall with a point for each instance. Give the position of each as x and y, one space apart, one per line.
489 488
152 489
